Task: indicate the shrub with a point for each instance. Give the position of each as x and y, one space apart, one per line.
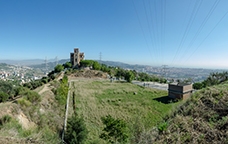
62 91
45 80
5 119
23 102
3 96
129 76
59 68
76 132
115 130
67 65
19 90
31 96
162 126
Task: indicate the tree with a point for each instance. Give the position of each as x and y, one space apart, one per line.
67 65
104 68
115 130
198 85
76 132
3 96
120 72
7 87
96 65
59 68
129 76
86 63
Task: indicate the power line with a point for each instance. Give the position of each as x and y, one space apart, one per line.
202 26
148 23
163 28
141 27
207 36
204 21
186 49
153 29
187 29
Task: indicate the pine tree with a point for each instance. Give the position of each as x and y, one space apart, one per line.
76 132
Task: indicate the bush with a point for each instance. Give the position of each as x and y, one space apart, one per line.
19 90
34 84
62 91
31 96
7 87
59 68
198 85
67 65
162 127
5 119
115 130
3 96
23 102
45 80
129 76
76 132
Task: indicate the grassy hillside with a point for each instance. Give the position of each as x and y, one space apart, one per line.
202 119
150 116
140 107
35 117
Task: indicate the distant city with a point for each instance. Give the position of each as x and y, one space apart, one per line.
28 72
20 74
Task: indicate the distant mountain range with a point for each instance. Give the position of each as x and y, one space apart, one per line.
40 63
26 62
196 74
51 65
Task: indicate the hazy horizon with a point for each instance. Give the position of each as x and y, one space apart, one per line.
41 61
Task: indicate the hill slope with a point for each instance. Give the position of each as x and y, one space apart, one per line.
202 119
142 108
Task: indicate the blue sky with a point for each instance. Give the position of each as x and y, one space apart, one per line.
182 33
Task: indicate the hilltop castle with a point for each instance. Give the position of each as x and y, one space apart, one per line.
76 57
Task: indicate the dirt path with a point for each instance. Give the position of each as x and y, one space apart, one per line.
60 76
45 88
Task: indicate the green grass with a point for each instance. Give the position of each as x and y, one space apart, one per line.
95 99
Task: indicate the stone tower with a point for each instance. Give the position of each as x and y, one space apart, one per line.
76 57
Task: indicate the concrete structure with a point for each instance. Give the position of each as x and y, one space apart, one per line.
76 57
180 91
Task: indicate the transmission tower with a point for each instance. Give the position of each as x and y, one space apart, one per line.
100 56
164 70
56 60
45 65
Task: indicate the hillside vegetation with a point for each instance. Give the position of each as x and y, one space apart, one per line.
141 108
202 119
102 111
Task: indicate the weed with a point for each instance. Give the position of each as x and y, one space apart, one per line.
162 127
24 103
5 119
